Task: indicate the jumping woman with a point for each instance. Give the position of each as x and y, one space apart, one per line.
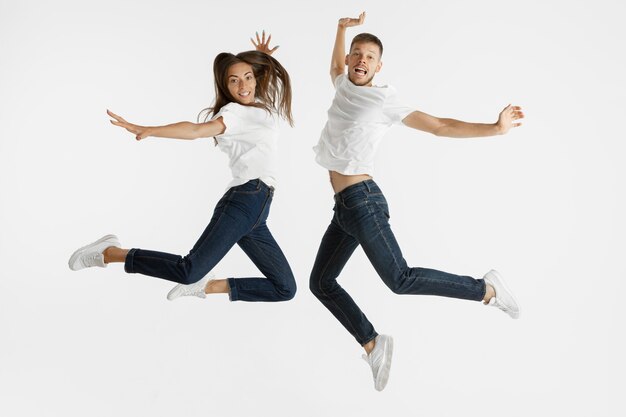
252 92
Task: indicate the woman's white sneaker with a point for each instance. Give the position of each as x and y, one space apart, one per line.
92 254
196 289
379 360
503 299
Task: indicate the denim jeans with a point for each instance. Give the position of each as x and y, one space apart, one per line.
239 217
362 218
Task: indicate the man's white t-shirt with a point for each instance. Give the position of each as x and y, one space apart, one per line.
251 142
357 121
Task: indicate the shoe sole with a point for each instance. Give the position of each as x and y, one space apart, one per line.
383 375
80 251
497 276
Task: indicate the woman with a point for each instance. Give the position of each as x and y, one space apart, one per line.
253 91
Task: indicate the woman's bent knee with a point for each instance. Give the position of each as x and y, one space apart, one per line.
288 294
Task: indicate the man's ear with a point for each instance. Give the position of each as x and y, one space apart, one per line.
346 60
379 66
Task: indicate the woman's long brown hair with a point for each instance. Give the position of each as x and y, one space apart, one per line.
273 86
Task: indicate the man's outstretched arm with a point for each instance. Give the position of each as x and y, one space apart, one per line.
338 61
452 128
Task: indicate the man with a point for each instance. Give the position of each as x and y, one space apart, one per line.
359 117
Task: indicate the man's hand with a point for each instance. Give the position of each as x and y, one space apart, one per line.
507 118
263 45
346 22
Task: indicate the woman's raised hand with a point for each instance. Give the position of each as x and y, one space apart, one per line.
263 45
346 22
140 132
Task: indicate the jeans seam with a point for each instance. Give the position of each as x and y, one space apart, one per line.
324 292
455 285
191 256
264 253
395 259
258 220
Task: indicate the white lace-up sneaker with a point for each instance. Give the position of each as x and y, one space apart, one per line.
92 254
196 289
379 360
503 299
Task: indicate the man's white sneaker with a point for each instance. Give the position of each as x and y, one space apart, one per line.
379 360
503 299
91 255
196 289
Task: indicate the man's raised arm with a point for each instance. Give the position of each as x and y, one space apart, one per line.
338 61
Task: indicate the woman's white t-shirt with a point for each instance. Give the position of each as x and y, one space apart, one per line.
357 121
251 142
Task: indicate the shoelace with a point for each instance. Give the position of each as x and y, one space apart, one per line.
375 365
196 289
367 359
496 303
93 259
189 290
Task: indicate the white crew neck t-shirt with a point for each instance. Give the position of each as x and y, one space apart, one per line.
357 121
251 142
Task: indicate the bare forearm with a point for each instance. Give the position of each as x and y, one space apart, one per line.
338 63
450 128
180 130
453 128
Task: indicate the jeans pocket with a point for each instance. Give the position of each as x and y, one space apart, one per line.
354 200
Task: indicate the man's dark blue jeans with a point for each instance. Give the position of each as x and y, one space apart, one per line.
362 218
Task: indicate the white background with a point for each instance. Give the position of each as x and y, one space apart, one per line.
544 205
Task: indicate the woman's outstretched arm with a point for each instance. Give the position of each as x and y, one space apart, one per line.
180 130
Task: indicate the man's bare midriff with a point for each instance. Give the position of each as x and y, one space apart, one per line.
341 182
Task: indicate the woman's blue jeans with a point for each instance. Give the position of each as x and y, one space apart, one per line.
362 218
239 217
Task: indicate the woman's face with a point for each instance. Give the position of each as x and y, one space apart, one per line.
241 82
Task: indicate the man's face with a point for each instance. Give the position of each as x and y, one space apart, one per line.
363 63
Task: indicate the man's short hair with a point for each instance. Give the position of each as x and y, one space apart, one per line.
367 37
